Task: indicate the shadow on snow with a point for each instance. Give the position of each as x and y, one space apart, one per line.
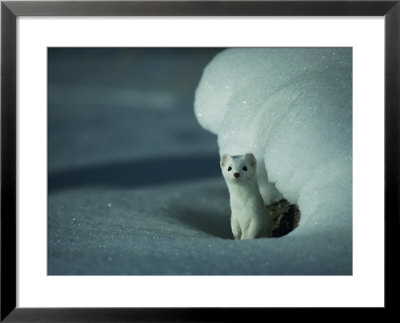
134 174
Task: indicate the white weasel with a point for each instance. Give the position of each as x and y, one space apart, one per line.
250 217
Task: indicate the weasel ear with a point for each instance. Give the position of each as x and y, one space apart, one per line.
251 159
224 159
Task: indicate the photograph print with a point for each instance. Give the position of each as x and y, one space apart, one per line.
200 161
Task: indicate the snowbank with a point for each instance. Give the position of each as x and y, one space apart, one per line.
291 108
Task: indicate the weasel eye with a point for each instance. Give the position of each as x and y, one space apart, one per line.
229 168
244 168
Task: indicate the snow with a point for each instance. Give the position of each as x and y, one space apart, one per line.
291 108
135 186
167 230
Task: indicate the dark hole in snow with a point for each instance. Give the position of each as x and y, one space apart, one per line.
286 218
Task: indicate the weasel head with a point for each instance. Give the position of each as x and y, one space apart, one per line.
238 169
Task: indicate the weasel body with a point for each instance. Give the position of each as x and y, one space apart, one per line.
250 218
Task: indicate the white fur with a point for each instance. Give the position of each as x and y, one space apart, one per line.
250 217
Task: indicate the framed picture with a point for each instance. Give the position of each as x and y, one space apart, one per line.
113 206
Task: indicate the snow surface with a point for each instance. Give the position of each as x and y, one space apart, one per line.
134 182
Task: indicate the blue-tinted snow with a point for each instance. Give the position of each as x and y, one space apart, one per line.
134 181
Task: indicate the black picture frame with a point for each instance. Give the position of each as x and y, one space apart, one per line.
10 10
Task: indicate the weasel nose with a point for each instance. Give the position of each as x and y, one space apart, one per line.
236 175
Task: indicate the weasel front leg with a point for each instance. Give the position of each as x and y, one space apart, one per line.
237 232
